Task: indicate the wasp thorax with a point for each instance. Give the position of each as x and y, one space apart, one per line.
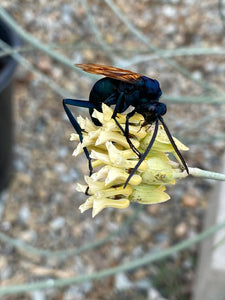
152 88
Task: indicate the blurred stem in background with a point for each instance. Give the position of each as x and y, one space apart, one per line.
62 59
128 266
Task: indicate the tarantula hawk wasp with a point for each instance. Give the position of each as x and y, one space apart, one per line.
123 89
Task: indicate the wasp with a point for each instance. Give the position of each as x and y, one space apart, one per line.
124 89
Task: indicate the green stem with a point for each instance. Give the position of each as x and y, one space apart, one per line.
141 56
206 174
142 37
96 31
194 100
37 43
44 78
130 265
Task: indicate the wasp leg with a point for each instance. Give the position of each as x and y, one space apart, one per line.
125 132
143 156
76 126
174 145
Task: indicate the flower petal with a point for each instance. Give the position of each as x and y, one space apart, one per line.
86 205
149 194
119 176
100 203
115 192
161 142
74 137
159 171
115 137
117 158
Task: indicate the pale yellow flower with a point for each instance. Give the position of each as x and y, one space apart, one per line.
112 160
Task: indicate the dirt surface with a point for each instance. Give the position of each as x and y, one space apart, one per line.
41 205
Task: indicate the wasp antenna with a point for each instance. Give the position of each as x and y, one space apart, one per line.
145 153
173 144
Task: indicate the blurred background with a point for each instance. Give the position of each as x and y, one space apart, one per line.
181 44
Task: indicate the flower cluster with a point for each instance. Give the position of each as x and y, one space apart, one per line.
112 160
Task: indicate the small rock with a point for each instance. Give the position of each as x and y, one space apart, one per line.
190 201
6 272
181 229
73 293
71 176
197 75
63 152
4 196
162 238
57 223
38 295
140 274
153 294
67 14
188 264
28 236
169 11
138 251
6 225
3 263
44 64
24 214
56 73
78 292
122 282
143 284
153 209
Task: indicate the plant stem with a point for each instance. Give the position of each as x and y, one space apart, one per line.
37 43
206 174
144 39
127 266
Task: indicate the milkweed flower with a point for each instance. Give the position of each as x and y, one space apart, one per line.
112 160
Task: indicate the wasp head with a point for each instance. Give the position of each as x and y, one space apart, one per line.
153 111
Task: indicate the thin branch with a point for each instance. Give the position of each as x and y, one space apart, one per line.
128 266
64 60
194 100
141 58
97 32
146 41
27 65
143 55
221 9
62 92
37 43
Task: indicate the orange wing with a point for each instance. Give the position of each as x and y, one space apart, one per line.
111 72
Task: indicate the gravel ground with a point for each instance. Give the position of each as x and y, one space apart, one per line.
41 205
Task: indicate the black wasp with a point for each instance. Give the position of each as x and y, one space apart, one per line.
123 89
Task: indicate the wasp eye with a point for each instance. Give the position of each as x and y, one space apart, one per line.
161 109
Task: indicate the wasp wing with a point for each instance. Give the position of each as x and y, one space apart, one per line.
111 72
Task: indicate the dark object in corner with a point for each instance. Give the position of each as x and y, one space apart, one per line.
7 69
